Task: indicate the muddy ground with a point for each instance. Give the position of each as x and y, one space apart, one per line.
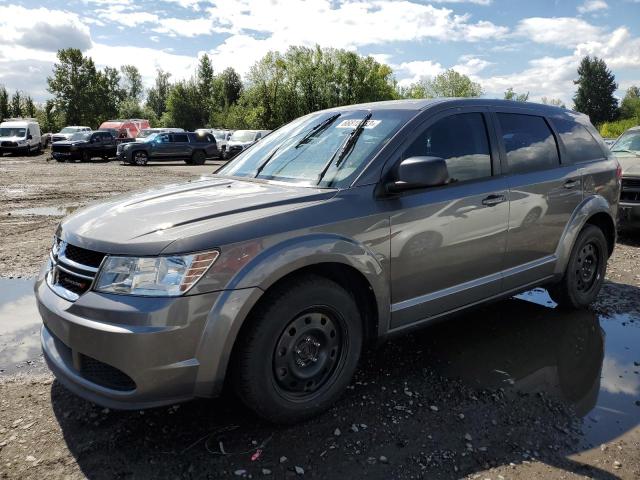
517 389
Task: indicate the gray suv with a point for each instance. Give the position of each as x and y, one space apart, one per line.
332 233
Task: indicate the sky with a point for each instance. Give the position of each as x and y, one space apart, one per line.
532 46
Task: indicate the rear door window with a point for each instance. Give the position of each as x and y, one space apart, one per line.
179 137
528 142
579 143
462 141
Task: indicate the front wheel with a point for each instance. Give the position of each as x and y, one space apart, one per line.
85 157
585 271
198 158
140 158
300 350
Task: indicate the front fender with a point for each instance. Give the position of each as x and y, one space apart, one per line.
589 207
249 284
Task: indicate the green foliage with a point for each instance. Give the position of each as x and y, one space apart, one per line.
16 105
47 118
447 84
184 107
630 105
158 94
556 102
617 128
596 85
516 97
4 103
131 83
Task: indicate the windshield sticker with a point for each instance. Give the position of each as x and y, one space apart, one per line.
355 122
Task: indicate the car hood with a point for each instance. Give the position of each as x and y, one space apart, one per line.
232 143
68 142
148 222
629 162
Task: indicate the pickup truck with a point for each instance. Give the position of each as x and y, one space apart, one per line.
84 146
193 148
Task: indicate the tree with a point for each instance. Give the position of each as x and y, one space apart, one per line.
630 106
183 106
447 84
556 102
230 87
107 97
205 79
4 103
516 97
73 86
131 82
158 94
596 85
16 105
47 117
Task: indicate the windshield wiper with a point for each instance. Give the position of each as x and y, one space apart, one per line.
314 131
345 148
317 129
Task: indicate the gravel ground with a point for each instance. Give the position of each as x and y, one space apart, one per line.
527 392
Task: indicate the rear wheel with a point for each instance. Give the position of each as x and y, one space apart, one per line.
585 271
198 158
140 158
299 351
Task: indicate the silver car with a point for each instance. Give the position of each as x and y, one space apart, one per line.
331 234
627 151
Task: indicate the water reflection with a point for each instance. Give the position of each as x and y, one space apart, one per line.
19 324
527 345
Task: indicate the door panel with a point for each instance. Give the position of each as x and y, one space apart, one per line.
448 243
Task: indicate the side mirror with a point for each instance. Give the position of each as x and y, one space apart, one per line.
419 172
29 137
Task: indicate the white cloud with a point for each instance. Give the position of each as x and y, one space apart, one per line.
42 29
412 72
590 6
615 378
562 31
620 49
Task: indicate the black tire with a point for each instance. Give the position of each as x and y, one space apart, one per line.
198 157
299 351
585 271
85 157
139 158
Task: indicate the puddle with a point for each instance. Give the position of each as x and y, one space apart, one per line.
19 324
525 344
45 211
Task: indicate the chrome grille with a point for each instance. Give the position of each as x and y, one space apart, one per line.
73 269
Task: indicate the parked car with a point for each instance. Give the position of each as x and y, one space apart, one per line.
20 135
126 128
144 133
191 147
627 151
241 140
84 146
272 275
67 132
222 138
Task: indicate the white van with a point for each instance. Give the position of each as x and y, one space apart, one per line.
20 135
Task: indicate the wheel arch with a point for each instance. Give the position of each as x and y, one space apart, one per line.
358 273
594 210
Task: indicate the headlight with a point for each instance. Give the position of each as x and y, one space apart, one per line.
169 276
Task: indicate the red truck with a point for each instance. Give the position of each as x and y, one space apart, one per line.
128 128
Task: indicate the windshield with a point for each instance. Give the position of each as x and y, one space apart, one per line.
81 136
629 141
12 132
243 136
300 151
69 130
146 133
218 134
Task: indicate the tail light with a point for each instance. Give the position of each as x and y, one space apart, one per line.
619 172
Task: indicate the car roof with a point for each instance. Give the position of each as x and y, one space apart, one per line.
426 103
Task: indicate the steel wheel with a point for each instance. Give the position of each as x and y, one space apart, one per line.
308 353
587 267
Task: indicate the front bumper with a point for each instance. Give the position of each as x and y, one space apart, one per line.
75 155
629 214
126 352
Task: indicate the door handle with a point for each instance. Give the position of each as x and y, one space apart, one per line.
569 184
493 200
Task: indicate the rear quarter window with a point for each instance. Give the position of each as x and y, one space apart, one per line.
528 142
579 143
